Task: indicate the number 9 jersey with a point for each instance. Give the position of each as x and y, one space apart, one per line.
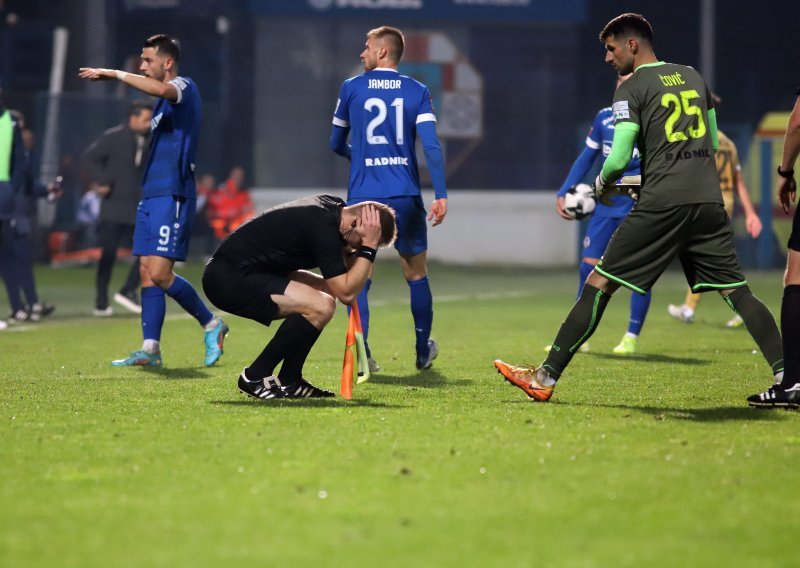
668 104
382 109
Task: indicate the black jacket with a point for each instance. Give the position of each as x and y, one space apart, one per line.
109 160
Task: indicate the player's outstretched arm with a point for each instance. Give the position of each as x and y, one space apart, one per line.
140 82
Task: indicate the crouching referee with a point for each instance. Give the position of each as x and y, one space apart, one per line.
261 272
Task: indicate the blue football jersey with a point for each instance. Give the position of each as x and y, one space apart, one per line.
382 109
176 130
600 137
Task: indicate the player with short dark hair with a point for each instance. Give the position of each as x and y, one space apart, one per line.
260 272
165 213
384 112
787 394
605 219
667 112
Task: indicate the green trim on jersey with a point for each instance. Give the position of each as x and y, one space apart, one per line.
625 134
619 280
656 64
719 286
712 126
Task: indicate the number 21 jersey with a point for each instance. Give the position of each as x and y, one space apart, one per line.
382 109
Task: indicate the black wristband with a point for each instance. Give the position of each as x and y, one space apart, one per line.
788 174
368 253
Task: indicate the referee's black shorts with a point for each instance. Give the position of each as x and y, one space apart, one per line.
243 290
647 241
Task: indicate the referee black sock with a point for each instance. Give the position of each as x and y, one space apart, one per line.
576 329
292 331
759 322
295 358
790 329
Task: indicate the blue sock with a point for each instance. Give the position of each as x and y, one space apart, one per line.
422 311
183 293
583 273
363 310
639 306
154 306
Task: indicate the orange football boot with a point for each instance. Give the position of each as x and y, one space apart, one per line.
524 377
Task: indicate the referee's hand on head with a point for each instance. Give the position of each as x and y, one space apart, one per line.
369 227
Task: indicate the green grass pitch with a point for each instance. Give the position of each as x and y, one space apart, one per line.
653 460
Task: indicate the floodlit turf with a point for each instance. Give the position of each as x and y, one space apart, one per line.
649 460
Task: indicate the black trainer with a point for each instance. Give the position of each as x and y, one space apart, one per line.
41 310
777 396
263 389
20 316
304 389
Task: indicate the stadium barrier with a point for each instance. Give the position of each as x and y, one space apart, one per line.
482 227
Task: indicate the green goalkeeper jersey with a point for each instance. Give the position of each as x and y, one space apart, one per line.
669 105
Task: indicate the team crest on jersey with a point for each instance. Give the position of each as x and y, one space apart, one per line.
620 109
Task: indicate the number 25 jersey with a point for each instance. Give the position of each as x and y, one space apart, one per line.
670 105
382 109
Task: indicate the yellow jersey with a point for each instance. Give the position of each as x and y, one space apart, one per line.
727 167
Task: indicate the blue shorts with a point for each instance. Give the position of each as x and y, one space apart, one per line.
163 226
412 232
598 235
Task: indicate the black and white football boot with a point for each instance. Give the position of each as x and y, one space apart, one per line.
303 389
264 389
777 396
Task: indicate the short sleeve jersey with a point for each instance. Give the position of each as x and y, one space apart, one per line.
600 137
727 168
670 104
301 234
175 132
382 109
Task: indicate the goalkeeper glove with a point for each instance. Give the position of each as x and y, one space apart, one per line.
601 190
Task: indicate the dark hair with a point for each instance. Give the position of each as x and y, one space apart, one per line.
165 45
628 24
387 217
136 107
392 36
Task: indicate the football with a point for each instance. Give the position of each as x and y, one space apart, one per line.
579 201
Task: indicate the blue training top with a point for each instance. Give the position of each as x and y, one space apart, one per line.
176 130
384 111
600 137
